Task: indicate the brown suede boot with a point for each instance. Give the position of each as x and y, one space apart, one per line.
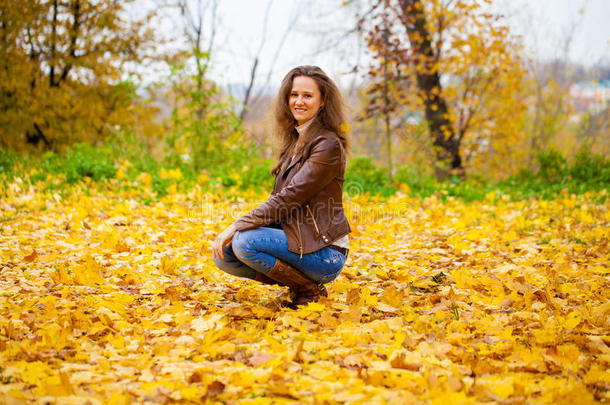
302 289
262 278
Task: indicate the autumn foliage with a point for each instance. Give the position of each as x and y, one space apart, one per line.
106 299
67 71
456 67
456 292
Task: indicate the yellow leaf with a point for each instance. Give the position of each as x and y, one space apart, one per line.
260 358
118 341
572 320
316 306
500 387
168 266
344 127
120 174
118 398
88 273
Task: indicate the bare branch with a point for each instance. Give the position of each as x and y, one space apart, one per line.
213 26
256 59
287 31
76 15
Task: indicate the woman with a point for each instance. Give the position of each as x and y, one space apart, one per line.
298 237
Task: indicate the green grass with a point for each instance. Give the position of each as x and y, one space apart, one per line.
240 170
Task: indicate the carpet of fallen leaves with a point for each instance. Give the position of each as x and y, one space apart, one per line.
104 299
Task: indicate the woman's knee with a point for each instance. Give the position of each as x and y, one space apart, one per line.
241 243
228 261
223 264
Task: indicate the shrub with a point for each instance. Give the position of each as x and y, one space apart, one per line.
552 166
590 168
7 161
238 168
420 183
83 160
257 176
362 176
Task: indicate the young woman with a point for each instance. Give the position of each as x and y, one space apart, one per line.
298 237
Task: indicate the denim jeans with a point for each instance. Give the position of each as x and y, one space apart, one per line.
256 250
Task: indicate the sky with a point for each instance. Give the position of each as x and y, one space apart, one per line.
309 29
314 27
545 25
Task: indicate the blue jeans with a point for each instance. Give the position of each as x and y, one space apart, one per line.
256 250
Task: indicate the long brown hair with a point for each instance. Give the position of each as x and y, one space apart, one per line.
331 116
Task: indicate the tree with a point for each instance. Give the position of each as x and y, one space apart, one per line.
202 120
195 13
458 64
549 83
65 76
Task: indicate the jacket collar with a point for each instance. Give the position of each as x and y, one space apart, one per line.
311 125
303 127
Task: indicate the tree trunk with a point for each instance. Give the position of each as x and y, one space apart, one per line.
244 107
386 111
52 60
446 144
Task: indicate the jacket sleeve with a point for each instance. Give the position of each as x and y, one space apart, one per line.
317 171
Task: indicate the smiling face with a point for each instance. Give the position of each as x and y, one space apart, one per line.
305 99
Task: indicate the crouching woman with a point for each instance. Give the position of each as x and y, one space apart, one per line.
299 237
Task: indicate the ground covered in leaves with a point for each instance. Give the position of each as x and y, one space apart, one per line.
109 300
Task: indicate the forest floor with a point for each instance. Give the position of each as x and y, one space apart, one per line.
109 300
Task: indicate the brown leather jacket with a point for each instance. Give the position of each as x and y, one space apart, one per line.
307 197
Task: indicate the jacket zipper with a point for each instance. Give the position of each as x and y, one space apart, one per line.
300 240
315 224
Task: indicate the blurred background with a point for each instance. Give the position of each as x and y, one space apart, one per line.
437 90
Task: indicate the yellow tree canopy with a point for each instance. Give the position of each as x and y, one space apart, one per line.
63 74
457 64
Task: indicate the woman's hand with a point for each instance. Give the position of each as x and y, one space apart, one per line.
222 241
